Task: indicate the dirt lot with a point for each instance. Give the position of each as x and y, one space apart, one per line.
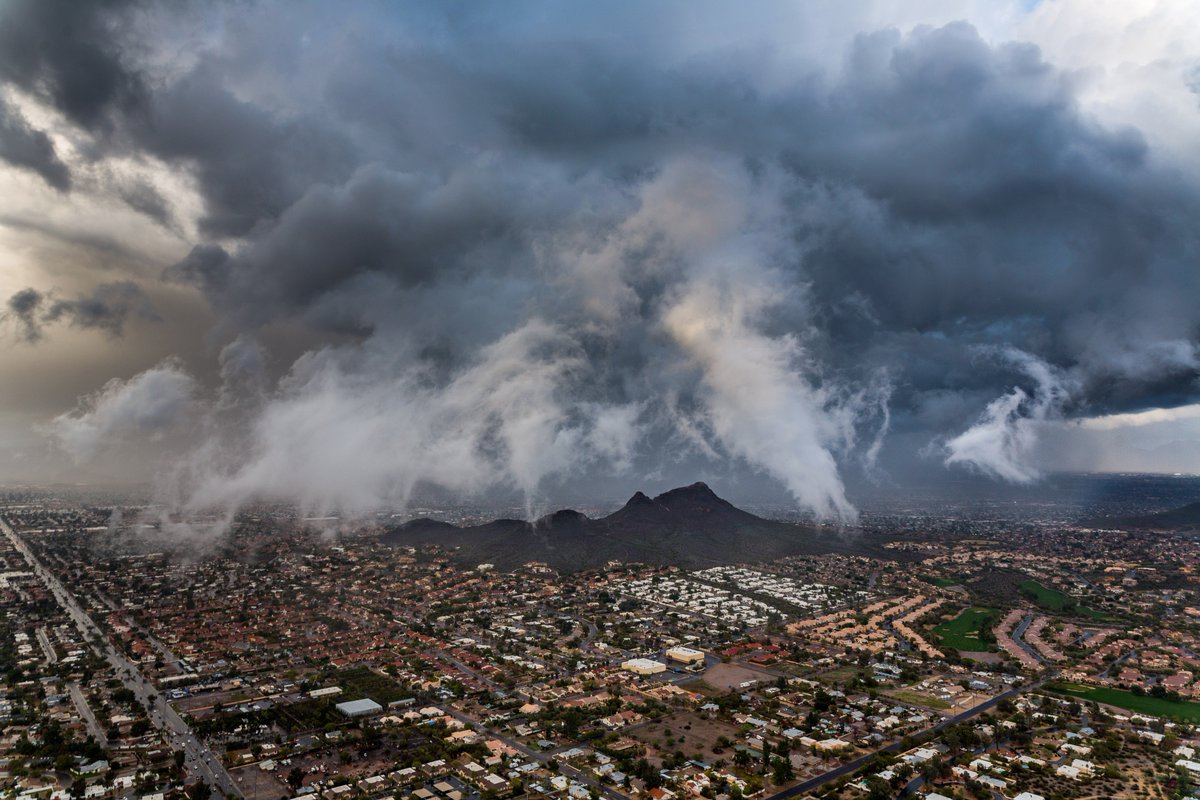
192 703
258 784
730 676
686 731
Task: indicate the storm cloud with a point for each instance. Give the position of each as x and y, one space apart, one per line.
147 405
516 248
24 147
105 308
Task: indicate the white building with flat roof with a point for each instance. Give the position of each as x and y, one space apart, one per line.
644 666
359 708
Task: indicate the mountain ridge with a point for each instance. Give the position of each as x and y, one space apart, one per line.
689 526
1185 518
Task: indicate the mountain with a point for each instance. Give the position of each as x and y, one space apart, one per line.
689 527
1184 518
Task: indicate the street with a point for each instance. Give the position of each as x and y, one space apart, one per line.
851 766
199 762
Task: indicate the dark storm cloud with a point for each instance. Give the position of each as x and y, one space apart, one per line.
145 199
206 266
250 164
105 309
452 186
949 192
409 229
27 148
70 54
23 308
994 211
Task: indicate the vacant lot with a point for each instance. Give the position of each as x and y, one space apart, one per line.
687 732
967 630
257 784
195 702
839 676
730 676
917 699
1154 706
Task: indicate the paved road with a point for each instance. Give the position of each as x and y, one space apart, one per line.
479 676
903 643
85 711
1018 636
592 633
1117 663
852 766
47 648
198 759
165 652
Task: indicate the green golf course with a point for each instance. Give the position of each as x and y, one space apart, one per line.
1142 704
965 632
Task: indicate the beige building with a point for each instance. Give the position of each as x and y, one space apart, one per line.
644 666
685 655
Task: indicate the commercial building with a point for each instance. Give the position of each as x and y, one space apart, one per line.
685 655
359 708
644 666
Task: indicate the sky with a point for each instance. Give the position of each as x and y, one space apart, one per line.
345 254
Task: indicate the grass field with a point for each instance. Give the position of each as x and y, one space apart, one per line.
964 632
1057 601
942 582
839 675
917 699
1154 706
1092 613
1044 596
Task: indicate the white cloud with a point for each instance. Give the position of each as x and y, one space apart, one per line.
756 402
1138 419
149 404
352 431
1002 443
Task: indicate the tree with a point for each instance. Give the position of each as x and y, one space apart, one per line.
880 790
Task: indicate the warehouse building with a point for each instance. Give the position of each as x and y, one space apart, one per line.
685 655
644 666
359 708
